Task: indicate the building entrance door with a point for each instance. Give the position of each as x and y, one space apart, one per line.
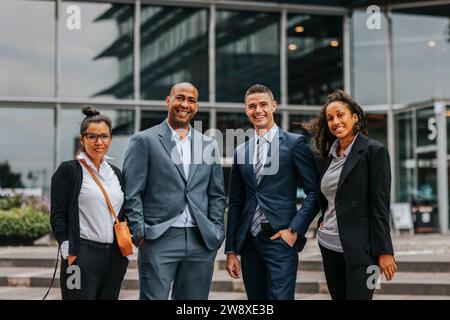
421 165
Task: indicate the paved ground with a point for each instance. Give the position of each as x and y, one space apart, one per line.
8 293
425 250
426 247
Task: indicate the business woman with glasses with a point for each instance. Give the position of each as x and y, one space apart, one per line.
81 219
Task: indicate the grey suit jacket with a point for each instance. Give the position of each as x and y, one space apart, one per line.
157 190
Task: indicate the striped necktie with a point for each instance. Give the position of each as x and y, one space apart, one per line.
255 227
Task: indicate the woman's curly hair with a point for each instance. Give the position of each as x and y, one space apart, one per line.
319 127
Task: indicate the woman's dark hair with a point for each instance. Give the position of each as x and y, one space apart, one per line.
319 126
92 116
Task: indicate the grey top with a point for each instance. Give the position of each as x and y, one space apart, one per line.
328 236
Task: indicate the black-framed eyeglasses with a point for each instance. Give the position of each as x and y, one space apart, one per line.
93 137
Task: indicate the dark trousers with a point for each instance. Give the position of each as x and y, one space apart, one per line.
345 283
97 274
269 267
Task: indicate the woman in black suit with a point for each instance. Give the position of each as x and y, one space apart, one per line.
81 219
353 232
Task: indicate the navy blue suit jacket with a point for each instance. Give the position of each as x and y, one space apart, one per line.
290 163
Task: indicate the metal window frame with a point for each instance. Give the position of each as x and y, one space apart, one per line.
421 4
390 104
440 111
59 104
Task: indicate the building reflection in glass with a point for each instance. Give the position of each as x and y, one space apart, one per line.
368 51
247 51
97 60
421 53
27 48
315 55
26 139
174 48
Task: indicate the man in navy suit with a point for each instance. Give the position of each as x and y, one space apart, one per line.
264 225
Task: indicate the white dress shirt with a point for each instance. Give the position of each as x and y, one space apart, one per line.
96 222
186 219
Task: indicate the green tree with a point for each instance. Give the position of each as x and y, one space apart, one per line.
9 179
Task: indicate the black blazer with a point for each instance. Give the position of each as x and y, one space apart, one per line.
65 190
362 202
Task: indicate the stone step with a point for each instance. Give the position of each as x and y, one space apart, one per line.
309 264
27 293
308 282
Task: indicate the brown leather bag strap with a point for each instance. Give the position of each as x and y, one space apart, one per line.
111 210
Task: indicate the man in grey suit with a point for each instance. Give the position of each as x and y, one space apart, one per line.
175 202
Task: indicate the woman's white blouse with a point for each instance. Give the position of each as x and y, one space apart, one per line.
96 222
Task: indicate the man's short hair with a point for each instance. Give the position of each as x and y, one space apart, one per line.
258 88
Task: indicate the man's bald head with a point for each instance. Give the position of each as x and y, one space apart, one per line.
182 85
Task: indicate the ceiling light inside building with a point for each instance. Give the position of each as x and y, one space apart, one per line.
292 47
299 29
334 43
432 44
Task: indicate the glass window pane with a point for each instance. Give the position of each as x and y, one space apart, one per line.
405 160
377 127
296 119
97 59
368 60
26 137
421 55
426 127
247 51
122 123
174 48
315 57
295 126
27 42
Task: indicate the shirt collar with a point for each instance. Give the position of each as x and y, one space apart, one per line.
335 146
176 136
269 135
83 155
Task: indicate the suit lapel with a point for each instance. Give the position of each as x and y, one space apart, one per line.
165 136
353 158
250 152
196 153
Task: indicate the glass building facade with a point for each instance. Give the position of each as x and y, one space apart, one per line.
124 56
